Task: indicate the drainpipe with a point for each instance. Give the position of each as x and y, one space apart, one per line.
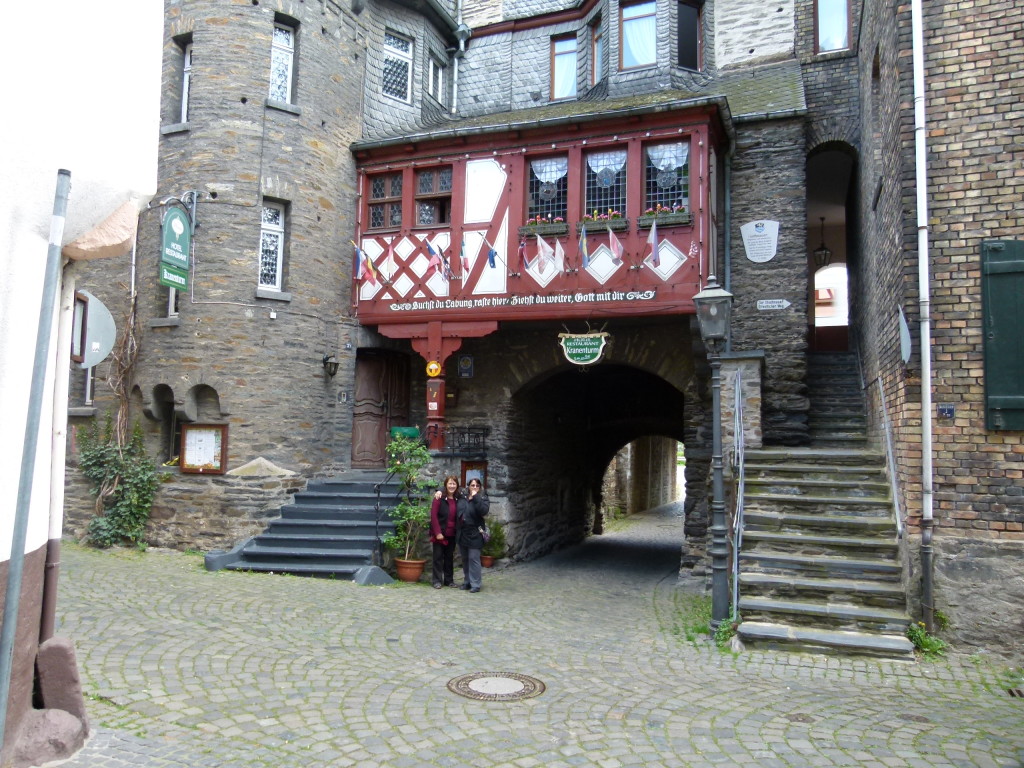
463 33
16 567
924 303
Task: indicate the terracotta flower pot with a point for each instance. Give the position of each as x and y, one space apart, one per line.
409 570
486 561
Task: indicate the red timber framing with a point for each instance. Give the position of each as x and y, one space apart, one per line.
476 264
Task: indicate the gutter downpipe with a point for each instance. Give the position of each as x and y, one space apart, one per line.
727 236
924 302
12 600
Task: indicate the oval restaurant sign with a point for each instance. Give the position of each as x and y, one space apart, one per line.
583 348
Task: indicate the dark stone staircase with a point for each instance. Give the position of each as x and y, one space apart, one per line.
328 530
819 566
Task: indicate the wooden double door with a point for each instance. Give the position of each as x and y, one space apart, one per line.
381 402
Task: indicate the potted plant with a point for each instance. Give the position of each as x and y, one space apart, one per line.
495 546
665 215
407 456
539 225
598 222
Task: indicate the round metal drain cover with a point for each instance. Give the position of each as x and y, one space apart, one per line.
496 686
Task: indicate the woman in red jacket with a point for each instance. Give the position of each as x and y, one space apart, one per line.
442 533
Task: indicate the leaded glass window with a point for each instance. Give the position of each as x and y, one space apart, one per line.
282 60
434 196
272 231
605 184
385 207
548 188
397 74
186 81
667 176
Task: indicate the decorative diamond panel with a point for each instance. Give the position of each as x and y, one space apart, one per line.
402 285
671 260
601 265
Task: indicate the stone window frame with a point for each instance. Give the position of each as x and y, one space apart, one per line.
282 54
838 12
563 49
280 232
396 55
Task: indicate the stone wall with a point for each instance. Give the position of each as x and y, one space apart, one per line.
974 194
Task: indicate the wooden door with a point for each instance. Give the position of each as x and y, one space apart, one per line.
381 402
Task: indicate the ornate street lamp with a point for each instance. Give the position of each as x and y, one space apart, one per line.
714 313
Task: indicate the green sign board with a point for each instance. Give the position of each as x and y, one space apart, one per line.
176 242
583 348
173 277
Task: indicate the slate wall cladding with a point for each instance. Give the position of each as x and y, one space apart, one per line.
768 183
975 193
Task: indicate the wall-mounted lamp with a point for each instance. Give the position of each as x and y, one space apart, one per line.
822 255
330 365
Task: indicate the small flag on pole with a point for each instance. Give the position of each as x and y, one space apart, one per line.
545 253
652 239
435 260
524 262
584 255
464 259
559 257
491 256
616 247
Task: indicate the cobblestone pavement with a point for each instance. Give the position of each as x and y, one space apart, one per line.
194 669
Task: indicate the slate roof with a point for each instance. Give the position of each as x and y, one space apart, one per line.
751 94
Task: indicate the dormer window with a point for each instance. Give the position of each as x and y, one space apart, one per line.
638 46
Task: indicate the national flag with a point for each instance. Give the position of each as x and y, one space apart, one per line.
369 273
524 262
464 259
364 267
446 273
559 256
545 253
435 260
616 247
652 240
584 255
491 256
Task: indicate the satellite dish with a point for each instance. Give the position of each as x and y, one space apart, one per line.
100 332
904 337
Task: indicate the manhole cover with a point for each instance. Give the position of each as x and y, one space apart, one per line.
496 686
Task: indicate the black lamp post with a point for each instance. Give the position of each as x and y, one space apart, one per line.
714 311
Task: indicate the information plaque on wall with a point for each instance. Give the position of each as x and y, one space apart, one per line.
204 449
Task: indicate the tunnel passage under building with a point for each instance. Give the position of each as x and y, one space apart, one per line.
563 432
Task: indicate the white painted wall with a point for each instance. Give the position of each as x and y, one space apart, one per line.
753 30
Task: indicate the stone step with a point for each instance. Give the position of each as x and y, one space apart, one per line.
870 484
336 528
834 615
820 566
307 541
862 457
816 472
780 636
336 557
826 545
884 594
786 522
299 568
878 506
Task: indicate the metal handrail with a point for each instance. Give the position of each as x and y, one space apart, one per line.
378 554
738 469
890 459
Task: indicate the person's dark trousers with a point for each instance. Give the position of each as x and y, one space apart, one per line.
444 563
471 570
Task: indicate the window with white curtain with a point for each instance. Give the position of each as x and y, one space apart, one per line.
638 38
272 233
605 184
282 63
186 79
563 68
598 64
397 75
548 188
667 176
833 25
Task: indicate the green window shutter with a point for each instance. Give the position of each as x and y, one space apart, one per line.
1002 288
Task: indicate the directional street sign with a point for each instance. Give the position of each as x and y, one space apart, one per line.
773 304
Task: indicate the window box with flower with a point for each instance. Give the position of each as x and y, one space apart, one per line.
545 227
676 215
599 222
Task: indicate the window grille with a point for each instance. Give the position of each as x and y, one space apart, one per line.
605 186
667 175
271 246
282 59
397 75
385 201
433 196
548 187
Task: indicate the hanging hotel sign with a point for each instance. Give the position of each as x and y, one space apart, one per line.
583 348
760 240
175 247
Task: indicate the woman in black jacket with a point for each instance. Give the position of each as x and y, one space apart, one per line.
470 512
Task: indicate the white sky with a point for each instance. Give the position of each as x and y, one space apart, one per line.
81 93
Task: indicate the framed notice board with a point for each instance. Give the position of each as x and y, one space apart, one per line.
204 449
